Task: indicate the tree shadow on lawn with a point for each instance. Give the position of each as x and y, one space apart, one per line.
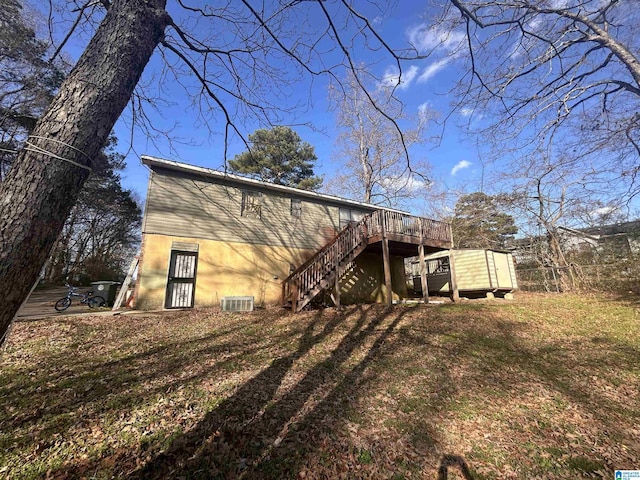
277 426
253 435
64 390
501 356
506 361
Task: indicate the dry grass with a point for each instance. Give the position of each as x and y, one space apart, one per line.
542 387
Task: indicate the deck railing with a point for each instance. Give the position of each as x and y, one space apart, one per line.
308 276
402 224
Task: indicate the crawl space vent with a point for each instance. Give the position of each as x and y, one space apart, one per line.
237 304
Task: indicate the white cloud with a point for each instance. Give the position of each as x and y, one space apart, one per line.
602 211
516 51
405 182
429 38
432 69
535 24
462 164
466 111
392 79
424 107
425 111
434 39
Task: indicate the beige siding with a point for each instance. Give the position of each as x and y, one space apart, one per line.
491 266
512 271
192 207
471 270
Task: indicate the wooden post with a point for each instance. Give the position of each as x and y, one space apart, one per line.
423 275
283 295
453 283
387 265
455 294
336 294
294 297
423 265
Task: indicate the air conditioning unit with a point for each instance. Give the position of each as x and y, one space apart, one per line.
236 304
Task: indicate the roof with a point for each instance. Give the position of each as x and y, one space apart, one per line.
585 233
595 234
154 163
615 228
445 253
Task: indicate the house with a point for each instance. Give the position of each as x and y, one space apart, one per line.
207 235
617 240
620 239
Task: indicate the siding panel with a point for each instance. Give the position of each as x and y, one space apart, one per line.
491 266
471 270
512 271
191 207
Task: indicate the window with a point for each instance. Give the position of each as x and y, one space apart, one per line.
348 215
251 204
296 207
438 265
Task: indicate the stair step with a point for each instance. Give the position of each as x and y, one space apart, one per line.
329 271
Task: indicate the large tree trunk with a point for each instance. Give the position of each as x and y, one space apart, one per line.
40 189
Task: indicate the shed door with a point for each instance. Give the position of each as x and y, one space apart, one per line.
182 280
502 270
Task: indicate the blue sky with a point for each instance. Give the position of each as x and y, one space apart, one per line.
457 164
425 83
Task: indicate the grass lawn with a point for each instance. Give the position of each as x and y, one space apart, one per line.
541 387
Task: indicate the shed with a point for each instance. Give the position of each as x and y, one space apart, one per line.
477 272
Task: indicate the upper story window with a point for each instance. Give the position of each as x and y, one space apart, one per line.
296 207
349 215
251 204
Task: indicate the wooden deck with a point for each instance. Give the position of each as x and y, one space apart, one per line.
391 233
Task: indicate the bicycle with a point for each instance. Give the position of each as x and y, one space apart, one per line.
86 298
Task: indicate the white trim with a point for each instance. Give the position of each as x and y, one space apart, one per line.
184 167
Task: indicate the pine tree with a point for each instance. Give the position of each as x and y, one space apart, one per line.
279 156
479 222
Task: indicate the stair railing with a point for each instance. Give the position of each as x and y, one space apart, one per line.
308 275
327 260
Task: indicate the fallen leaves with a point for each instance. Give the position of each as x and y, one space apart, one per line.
518 389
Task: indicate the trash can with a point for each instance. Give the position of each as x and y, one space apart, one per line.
105 289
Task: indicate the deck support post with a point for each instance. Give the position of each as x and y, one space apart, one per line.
423 275
336 287
387 266
283 294
294 298
455 294
453 283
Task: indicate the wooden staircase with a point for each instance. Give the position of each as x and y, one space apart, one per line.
325 268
